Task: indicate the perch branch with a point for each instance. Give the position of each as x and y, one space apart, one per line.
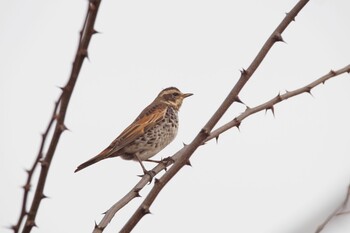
143 209
181 158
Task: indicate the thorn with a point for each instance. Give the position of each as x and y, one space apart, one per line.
84 53
188 163
184 144
238 124
63 127
26 187
238 100
13 227
332 72
43 163
93 32
43 196
272 110
293 17
27 171
217 139
62 88
243 72
97 227
146 210
137 193
32 223
278 37
156 180
247 108
309 91
205 131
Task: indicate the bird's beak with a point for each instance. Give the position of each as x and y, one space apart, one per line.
186 95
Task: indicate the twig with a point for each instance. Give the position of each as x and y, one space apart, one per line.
81 54
30 171
337 212
269 105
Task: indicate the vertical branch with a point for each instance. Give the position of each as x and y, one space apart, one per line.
31 171
67 90
143 209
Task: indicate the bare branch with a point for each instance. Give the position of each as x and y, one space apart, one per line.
182 157
30 172
59 116
337 212
279 98
204 133
214 134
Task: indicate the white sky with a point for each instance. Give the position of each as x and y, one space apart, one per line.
282 174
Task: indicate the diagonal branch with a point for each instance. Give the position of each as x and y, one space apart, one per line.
181 158
215 134
337 212
81 54
205 131
269 105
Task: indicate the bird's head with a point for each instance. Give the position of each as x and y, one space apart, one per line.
172 96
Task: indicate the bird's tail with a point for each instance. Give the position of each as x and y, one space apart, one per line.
103 155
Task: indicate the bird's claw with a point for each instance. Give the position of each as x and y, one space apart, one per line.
150 173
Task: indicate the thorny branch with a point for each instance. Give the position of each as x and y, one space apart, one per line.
205 131
268 105
30 171
59 116
339 211
181 158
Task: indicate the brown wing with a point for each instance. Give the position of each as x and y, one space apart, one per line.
147 119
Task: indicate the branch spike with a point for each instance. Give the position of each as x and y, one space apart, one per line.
272 110
217 139
238 100
95 32
188 163
332 72
309 91
63 127
145 210
26 187
287 13
278 37
243 72
84 53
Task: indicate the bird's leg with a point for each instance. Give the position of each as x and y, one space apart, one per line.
153 161
150 173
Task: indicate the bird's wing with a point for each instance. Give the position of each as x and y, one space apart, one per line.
146 120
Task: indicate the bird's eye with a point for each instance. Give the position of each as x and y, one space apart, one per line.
175 94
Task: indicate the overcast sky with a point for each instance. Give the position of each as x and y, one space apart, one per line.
282 174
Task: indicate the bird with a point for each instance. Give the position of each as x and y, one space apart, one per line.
154 128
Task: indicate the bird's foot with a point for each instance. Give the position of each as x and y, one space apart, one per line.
150 173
